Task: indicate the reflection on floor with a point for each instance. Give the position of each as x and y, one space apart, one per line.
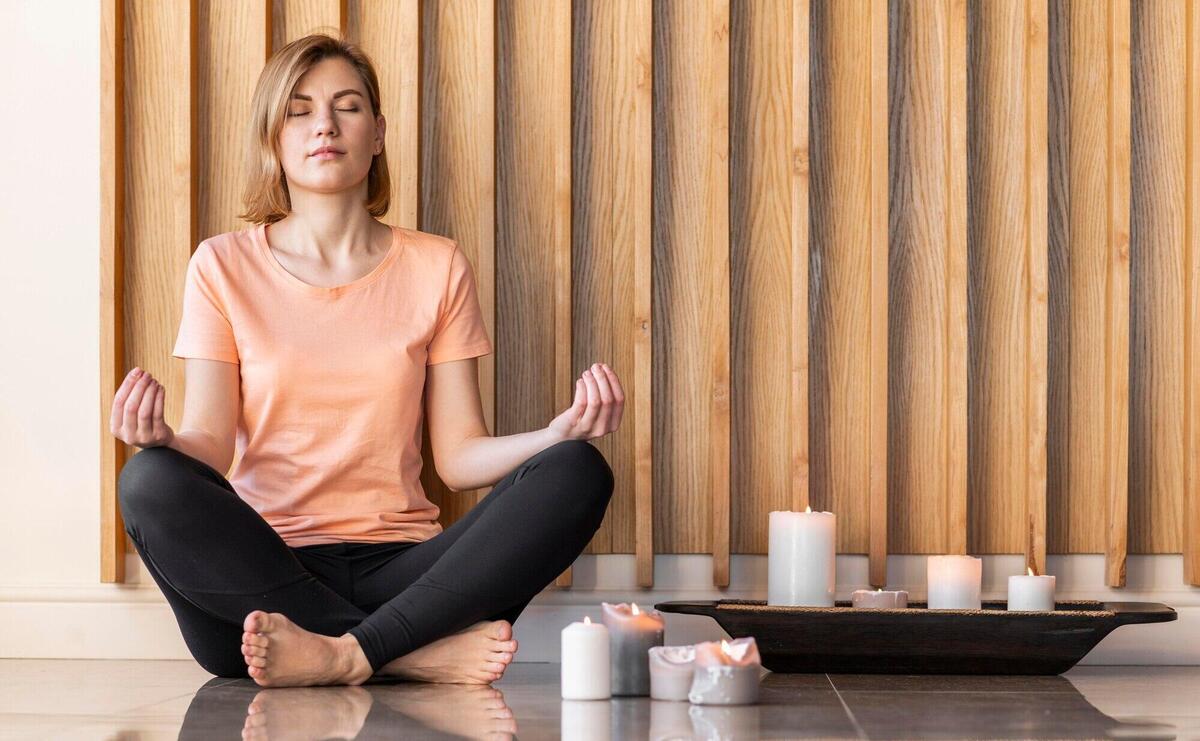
57 699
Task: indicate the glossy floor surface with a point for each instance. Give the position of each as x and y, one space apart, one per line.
58 699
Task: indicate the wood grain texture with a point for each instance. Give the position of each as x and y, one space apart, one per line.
768 265
1191 337
113 452
458 198
1157 456
927 278
1007 289
848 268
1088 397
293 19
611 235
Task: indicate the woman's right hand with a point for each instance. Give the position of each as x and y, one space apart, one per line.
137 411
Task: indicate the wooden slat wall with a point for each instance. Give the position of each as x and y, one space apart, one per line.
645 191
1088 397
848 269
927 284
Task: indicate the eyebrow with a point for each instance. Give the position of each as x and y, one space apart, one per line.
338 94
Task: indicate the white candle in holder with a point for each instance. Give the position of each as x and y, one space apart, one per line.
585 667
726 673
671 672
801 558
632 632
1031 591
953 582
879 598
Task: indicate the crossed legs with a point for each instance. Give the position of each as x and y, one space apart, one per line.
217 561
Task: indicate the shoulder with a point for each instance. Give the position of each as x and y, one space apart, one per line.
221 254
433 255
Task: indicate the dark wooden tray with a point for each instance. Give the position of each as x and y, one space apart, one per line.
916 640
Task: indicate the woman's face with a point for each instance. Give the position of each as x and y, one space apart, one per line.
329 108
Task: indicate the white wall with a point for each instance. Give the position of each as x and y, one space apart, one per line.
51 601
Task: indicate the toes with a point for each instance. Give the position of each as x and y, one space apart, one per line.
257 622
256 661
253 650
502 657
501 630
254 639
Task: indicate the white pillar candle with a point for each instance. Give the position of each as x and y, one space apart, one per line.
800 558
632 632
671 672
879 598
726 673
585 667
1031 592
953 582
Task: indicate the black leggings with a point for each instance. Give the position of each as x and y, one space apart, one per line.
216 559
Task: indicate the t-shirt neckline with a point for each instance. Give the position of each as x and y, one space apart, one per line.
260 237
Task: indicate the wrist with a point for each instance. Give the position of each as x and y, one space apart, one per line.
553 436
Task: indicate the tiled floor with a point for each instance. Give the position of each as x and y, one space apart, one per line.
123 700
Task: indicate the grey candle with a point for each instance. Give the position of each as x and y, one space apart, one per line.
632 632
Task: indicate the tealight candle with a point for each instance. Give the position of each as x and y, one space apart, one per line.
632 633
879 598
671 672
800 558
585 667
1031 591
726 673
953 582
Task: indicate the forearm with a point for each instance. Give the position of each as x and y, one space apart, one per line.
201 446
482 461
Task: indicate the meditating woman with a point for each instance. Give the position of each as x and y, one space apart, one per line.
313 339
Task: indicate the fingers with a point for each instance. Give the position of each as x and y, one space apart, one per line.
145 412
159 424
606 399
133 402
117 417
618 396
593 403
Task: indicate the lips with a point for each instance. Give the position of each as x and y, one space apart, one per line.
327 150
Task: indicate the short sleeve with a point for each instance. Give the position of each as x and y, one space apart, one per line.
204 329
460 331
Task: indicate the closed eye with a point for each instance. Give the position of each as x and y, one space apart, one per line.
346 110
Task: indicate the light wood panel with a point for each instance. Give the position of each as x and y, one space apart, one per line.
611 304
1191 335
458 194
848 272
1007 292
769 83
1162 479
113 452
927 281
691 280
293 19
1088 362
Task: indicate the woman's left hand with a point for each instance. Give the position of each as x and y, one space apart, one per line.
599 401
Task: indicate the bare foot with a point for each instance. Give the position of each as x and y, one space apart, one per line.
475 655
307 713
280 653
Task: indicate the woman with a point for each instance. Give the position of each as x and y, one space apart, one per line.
309 338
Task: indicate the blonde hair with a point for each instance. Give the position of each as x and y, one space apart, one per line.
265 195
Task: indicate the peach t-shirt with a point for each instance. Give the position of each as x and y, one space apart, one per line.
332 379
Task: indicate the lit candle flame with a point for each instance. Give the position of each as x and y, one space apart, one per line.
807 508
1029 569
635 609
724 647
586 619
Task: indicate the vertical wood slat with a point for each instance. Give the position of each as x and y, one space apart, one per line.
643 320
1116 355
1036 173
298 18
798 331
717 222
878 349
112 281
560 124
1191 339
1008 179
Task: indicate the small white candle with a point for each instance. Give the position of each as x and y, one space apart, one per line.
585 662
1031 591
879 598
726 673
953 582
671 672
801 558
632 632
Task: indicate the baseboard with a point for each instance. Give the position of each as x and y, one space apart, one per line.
133 621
